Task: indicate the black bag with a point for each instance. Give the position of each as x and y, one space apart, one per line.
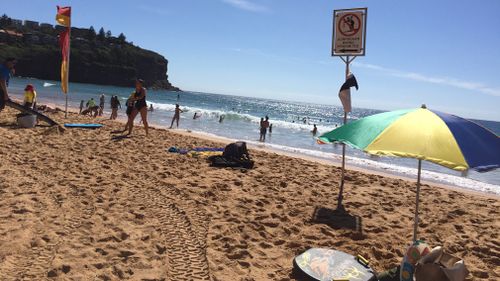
235 155
236 150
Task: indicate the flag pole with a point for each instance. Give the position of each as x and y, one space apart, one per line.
340 207
67 76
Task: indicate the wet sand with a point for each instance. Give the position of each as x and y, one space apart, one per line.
83 205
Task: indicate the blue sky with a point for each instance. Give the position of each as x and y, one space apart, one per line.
441 53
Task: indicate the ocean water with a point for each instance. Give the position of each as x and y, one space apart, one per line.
291 132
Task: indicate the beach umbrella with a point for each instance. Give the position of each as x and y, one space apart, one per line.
424 134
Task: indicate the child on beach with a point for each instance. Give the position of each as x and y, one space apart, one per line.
29 96
177 116
81 105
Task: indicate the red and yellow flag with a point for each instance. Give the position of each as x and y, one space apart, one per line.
64 43
63 16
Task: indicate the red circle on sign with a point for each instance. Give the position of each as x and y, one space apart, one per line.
349 24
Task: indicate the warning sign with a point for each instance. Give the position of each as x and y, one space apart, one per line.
349 32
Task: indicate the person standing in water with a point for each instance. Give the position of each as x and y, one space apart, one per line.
140 106
314 130
264 124
270 128
177 116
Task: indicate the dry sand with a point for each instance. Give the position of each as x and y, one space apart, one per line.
82 206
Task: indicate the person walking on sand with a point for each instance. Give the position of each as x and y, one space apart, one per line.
82 102
115 103
140 106
177 116
6 70
101 104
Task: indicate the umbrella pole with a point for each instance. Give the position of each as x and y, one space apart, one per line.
341 189
415 226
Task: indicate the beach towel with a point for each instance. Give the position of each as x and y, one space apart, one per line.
222 162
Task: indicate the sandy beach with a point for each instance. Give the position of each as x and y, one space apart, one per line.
81 205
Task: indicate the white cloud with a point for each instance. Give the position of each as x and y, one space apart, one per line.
446 81
246 5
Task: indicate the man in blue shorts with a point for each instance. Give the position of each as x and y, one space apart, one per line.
6 70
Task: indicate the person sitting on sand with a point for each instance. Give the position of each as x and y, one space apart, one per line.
177 116
140 106
29 96
314 130
6 70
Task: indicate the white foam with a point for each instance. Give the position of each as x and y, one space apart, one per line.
232 115
462 182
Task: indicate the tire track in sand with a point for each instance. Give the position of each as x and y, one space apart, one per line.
184 226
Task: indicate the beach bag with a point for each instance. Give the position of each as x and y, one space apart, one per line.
440 266
236 150
413 254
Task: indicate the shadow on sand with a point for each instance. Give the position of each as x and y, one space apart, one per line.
120 137
337 219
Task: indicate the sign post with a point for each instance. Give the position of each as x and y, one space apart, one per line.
348 42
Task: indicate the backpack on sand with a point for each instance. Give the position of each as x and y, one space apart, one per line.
235 155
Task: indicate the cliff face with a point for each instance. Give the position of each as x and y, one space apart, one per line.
105 61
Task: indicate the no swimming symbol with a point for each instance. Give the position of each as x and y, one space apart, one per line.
349 25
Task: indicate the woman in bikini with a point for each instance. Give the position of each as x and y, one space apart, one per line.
140 106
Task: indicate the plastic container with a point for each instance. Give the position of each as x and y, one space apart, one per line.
26 121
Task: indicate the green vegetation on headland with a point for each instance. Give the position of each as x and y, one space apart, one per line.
96 57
